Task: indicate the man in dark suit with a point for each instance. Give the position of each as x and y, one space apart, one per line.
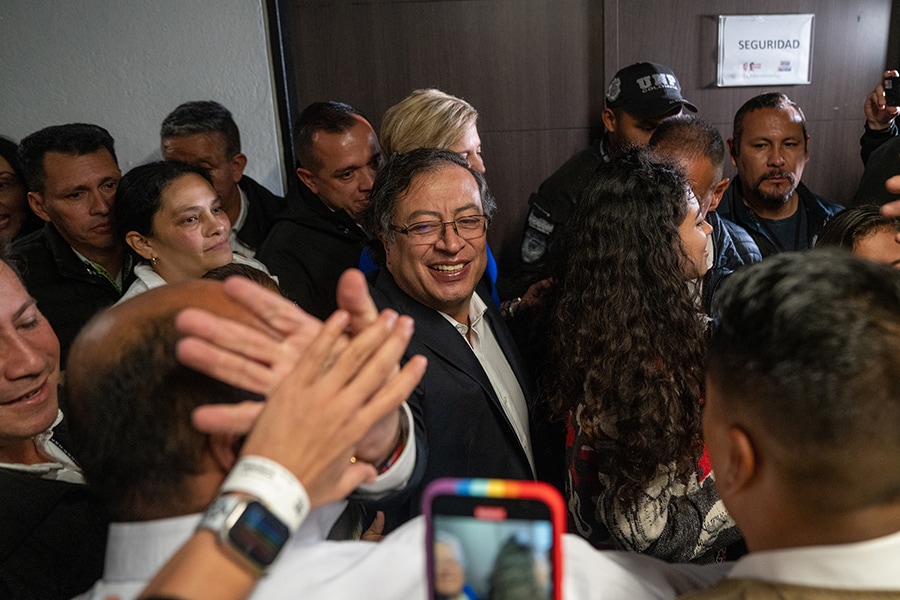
203 133
428 220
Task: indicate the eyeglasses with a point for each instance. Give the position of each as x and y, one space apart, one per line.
428 232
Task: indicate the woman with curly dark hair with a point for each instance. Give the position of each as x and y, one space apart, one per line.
627 351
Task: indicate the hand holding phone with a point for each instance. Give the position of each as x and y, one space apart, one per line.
492 538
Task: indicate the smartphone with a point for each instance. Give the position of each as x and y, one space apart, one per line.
493 538
891 91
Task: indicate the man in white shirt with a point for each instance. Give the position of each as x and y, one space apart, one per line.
801 422
131 404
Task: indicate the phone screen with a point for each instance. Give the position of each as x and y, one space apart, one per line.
891 91
491 548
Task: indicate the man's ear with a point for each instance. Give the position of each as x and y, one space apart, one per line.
140 244
739 469
224 450
730 142
238 164
718 192
308 179
608 116
36 202
387 250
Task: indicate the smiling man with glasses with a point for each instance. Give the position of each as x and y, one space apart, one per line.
427 224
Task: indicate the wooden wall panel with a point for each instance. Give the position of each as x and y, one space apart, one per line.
536 71
532 68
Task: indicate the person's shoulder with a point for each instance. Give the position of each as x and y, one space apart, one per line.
809 197
743 242
34 242
36 256
256 190
570 178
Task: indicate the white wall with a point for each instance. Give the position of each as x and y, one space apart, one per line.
125 65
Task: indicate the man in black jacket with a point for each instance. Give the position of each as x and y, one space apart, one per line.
75 265
770 148
638 99
203 133
317 238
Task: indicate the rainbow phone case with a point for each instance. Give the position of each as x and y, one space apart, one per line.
496 493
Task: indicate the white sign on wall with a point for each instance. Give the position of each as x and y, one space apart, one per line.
765 49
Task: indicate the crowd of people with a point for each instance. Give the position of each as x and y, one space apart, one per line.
200 377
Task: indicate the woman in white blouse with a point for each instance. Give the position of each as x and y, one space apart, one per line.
169 214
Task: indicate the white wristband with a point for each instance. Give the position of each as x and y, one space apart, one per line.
271 484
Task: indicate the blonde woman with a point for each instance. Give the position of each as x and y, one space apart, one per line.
430 118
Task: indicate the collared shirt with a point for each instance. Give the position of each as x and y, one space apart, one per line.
61 467
145 278
869 565
393 568
98 269
490 355
237 246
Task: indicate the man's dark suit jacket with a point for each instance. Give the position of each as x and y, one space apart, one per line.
262 212
52 535
461 427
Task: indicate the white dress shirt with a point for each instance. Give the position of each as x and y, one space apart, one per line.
391 569
490 355
870 565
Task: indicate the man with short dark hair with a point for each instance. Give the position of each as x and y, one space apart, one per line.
318 237
203 133
638 99
696 146
75 265
428 221
770 148
801 421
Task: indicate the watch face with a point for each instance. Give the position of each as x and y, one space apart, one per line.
258 534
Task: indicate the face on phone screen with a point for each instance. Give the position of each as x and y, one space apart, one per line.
491 548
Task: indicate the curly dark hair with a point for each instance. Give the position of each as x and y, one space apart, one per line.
626 338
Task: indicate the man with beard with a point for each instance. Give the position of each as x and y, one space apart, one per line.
770 148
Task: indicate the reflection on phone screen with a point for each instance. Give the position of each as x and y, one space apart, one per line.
488 556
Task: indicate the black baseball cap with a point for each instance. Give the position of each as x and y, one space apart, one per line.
646 91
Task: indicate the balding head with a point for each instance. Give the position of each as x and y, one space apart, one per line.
129 401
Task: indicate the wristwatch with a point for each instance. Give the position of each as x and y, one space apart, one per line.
247 529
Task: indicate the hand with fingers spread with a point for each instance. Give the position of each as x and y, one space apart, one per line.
315 417
251 359
326 391
260 361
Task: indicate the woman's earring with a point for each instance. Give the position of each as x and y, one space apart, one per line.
153 261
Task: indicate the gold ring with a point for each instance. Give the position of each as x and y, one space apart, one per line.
352 460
